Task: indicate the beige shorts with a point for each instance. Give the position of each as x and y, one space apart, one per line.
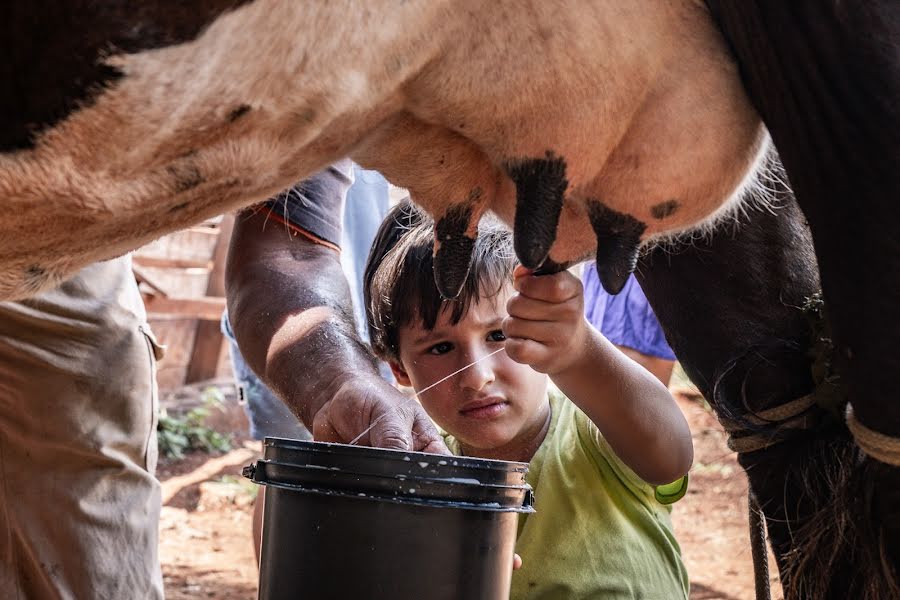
79 505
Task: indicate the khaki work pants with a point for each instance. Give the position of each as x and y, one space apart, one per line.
79 505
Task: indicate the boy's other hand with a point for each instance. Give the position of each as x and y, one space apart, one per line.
546 327
375 412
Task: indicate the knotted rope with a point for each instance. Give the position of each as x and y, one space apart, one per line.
779 419
796 415
881 447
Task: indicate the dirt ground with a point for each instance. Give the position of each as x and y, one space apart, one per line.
206 549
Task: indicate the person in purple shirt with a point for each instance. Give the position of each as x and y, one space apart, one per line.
627 320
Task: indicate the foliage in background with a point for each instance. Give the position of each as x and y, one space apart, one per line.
241 484
178 434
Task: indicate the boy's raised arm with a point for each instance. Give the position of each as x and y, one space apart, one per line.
637 416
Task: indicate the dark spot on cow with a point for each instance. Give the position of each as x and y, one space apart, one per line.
35 276
461 126
53 54
632 161
177 207
185 176
545 33
238 112
664 209
307 115
395 64
618 244
453 254
540 189
35 272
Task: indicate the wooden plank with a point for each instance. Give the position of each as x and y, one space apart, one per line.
184 244
177 333
207 309
142 277
171 263
208 339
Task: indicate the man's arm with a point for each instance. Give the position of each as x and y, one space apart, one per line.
289 307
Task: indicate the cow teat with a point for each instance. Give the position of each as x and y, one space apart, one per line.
454 241
540 188
618 244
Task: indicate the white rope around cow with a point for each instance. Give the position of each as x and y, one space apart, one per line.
790 415
881 447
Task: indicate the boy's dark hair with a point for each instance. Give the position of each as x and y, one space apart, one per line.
398 283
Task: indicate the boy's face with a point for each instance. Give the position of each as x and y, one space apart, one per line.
493 403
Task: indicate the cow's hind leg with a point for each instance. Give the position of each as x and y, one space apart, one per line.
825 78
745 290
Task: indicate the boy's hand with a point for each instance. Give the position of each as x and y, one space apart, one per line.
546 327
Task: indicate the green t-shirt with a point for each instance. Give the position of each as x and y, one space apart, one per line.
598 532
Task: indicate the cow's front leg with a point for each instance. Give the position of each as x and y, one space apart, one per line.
448 176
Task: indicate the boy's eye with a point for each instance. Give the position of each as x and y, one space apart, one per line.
440 348
496 336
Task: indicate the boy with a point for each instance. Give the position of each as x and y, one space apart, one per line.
601 531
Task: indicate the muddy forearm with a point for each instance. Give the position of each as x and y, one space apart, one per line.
290 309
310 357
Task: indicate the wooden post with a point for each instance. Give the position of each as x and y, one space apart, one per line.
208 338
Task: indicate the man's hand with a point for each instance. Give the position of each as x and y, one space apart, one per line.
368 411
546 328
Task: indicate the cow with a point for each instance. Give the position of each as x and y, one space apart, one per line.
825 78
591 127
158 117
742 310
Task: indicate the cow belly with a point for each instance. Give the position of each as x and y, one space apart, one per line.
638 100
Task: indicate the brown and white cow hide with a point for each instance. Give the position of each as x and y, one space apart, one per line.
624 121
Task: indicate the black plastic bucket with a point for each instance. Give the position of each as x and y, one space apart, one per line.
349 522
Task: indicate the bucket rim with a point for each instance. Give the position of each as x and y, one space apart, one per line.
334 448
525 508
362 471
427 489
422 479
